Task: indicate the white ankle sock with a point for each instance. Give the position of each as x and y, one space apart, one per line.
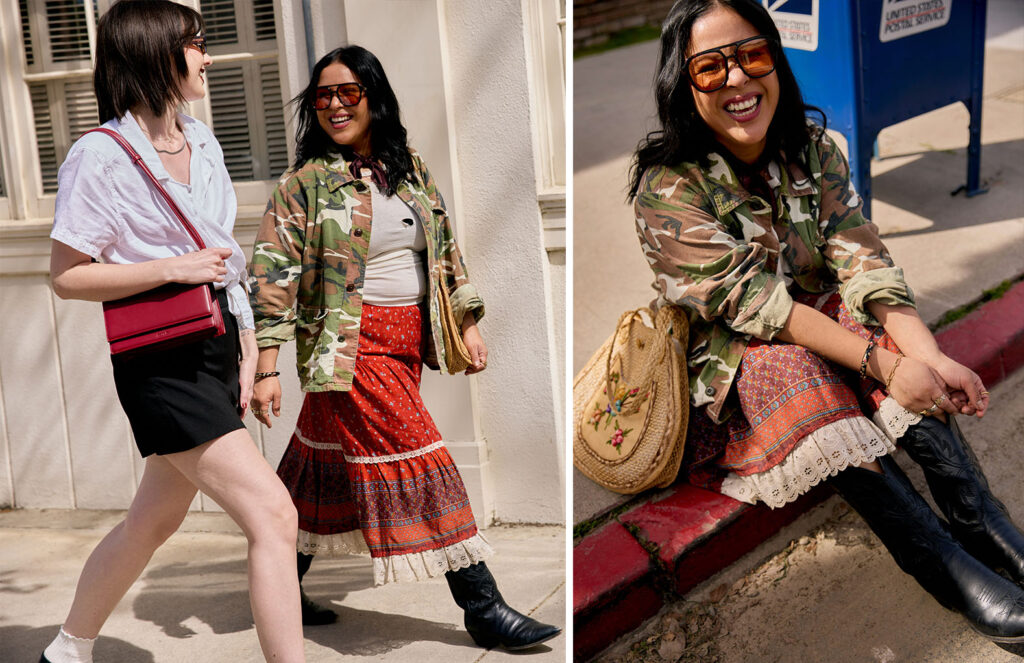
67 648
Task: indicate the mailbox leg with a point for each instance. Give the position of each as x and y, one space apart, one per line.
974 103
974 150
861 149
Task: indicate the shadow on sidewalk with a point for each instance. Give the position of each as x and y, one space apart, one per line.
923 186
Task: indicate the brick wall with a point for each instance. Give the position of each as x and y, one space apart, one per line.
595 20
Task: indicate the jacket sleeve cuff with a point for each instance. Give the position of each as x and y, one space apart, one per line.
885 285
770 317
275 333
466 299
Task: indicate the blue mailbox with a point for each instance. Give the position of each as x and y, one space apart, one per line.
872 63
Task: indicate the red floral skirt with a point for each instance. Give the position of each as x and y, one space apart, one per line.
367 469
781 394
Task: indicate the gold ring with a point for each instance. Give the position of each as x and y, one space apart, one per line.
938 401
933 408
984 393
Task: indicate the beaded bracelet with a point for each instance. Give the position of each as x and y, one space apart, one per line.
892 371
864 359
267 374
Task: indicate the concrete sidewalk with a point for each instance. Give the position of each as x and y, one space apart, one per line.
191 603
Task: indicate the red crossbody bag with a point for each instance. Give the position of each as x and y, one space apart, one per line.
166 316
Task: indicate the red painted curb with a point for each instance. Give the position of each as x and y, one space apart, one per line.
613 589
698 533
991 339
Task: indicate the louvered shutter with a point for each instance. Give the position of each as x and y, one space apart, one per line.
245 96
30 58
56 38
45 140
263 13
69 36
231 119
82 110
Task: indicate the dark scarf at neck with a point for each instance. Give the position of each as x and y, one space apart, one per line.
378 175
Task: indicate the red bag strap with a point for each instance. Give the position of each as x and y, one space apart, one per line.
163 192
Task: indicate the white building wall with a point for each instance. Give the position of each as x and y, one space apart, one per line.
517 398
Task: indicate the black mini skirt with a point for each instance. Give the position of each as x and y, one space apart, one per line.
180 398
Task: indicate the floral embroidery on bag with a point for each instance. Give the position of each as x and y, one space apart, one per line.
609 413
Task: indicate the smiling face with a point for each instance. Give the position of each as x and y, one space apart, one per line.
739 113
193 86
345 125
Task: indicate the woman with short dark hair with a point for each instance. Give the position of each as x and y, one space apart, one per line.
801 327
112 239
350 260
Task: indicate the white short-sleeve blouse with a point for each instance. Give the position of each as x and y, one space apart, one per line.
108 209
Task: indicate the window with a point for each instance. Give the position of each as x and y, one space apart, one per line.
51 99
245 87
55 34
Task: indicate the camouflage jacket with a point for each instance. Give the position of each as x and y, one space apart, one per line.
309 262
715 251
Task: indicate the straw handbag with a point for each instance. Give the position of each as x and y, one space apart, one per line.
456 354
631 403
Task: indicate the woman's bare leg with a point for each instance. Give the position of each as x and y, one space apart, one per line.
232 471
156 512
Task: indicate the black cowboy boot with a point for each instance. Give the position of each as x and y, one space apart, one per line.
489 620
923 547
313 614
978 520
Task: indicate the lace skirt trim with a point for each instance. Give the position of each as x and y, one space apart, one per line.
399 568
818 456
894 419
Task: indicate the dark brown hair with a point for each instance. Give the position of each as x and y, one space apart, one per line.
140 55
684 136
388 137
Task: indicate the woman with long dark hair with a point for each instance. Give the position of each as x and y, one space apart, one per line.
349 261
113 237
807 358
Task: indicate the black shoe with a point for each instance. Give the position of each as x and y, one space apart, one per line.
978 520
314 614
43 659
489 620
923 547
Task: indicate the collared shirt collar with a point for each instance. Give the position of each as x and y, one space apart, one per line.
727 193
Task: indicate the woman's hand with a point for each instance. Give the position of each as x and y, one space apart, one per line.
266 398
964 385
266 393
205 266
474 343
915 387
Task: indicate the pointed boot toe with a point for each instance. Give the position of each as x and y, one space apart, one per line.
923 547
489 620
506 627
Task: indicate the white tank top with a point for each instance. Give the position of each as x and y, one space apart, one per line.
394 261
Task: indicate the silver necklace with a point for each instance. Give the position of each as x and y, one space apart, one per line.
177 151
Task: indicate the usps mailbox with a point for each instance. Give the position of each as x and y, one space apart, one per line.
872 63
